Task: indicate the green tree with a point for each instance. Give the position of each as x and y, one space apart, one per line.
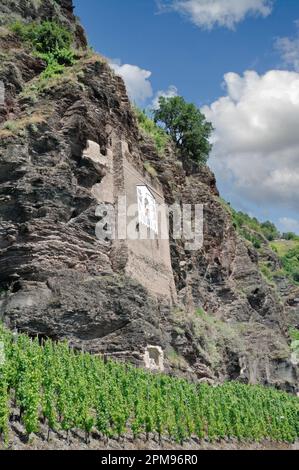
290 236
269 230
187 127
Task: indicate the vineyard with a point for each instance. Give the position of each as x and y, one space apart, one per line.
67 390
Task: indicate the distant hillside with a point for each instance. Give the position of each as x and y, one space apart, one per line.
288 253
266 235
278 258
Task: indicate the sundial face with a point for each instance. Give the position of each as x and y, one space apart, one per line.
147 209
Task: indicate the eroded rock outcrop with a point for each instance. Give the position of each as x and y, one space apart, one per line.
222 322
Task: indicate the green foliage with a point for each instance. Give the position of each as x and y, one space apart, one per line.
4 403
70 390
59 58
246 224
151 129
286 246
269 230
294 334
213 337
290 236
287 249
10 125
288 253
200 312
50 41
290 263
45 37
53 69
282 247
187 127
250 228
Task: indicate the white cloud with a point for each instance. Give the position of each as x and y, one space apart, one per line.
256 141
227 13
169 93
136 79
288 224
138 83
289 49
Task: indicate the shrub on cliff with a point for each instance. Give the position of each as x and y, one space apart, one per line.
150 128
290 263
46 37
269 230
50 41
187 127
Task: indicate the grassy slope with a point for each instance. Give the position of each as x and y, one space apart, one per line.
282 247
151 129
288 253
266 236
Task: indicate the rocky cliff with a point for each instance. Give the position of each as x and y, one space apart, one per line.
58 280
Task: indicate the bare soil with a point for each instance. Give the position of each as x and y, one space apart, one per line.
18 440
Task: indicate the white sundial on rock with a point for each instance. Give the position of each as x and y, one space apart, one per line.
147 209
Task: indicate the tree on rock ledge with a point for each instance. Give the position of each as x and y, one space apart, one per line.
187 127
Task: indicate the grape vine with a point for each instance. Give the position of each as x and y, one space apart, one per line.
69 390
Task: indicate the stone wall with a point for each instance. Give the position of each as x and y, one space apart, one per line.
149 259
141 253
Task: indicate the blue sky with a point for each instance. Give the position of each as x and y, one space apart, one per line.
203 50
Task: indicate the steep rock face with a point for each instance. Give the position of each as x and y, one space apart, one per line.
246 320
61 281
60 11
